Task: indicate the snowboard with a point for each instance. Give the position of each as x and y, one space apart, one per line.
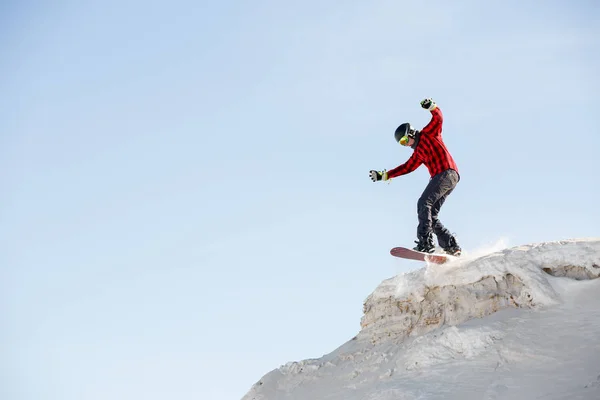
409 254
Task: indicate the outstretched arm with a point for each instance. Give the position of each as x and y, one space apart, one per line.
434 127
409 166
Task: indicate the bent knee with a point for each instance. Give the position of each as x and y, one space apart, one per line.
424 202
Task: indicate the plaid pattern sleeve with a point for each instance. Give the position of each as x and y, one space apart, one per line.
409 166
434 127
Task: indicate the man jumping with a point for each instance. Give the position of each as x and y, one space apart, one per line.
429 149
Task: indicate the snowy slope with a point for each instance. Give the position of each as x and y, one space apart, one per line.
522 323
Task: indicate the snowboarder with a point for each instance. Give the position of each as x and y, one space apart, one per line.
429 149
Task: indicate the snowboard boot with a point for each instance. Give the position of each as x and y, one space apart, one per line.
425 244
453 248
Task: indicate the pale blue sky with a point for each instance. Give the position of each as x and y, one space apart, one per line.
186 202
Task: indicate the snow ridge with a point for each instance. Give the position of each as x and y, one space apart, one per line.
449 294
510 324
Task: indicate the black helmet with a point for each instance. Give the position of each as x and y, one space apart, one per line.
404 130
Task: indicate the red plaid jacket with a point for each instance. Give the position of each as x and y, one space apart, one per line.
430 150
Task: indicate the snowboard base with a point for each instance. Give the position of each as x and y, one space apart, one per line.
410 254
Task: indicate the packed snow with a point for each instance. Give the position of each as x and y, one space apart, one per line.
518 323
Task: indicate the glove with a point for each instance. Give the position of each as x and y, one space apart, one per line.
378 176
428 104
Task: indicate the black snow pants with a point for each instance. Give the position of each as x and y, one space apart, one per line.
430 202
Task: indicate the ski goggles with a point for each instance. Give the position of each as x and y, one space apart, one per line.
411 134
